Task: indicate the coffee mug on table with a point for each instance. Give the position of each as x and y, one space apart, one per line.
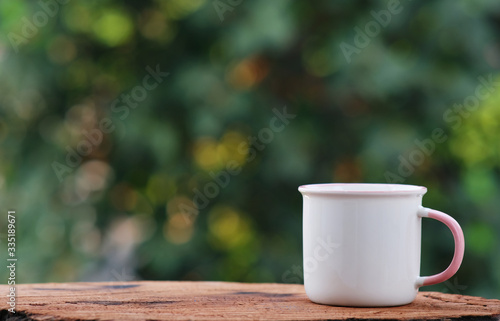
362 243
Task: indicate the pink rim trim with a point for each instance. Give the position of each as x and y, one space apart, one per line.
323 189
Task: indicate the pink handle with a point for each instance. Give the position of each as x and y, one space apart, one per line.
458 236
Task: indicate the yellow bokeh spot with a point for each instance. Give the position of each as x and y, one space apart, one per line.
113 27
183 205
236 146
178 229
206 154
475 135
228 228
212 155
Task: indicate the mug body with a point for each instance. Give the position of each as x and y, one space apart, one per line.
361 243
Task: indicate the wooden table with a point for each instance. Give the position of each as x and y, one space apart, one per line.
150 300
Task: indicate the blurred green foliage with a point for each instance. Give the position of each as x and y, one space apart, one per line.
118 214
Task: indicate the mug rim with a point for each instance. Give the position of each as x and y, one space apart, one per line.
362 189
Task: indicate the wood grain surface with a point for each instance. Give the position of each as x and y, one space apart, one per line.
155 300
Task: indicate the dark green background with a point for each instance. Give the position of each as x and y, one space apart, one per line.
121 213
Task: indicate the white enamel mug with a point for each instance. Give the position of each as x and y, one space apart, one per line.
362 243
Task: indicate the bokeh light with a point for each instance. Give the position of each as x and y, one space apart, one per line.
198 180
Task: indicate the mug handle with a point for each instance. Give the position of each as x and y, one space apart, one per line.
458 236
